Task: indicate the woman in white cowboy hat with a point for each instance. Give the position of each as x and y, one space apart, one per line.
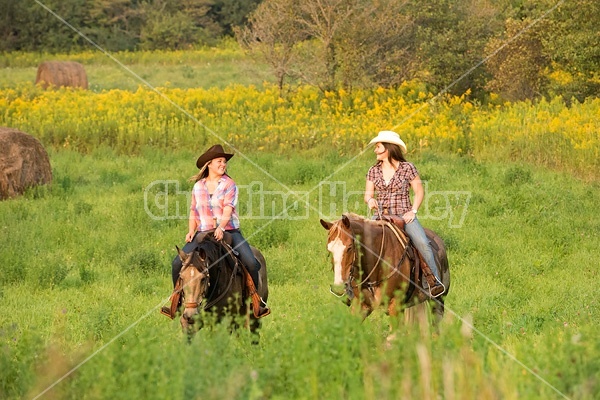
391 178
213 208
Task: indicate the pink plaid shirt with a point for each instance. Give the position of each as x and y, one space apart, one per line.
393 196
209 210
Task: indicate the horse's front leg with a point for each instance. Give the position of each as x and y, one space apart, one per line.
394 308
366 310
361 306
369 301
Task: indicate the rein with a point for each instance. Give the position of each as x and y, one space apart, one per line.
395 270
376 264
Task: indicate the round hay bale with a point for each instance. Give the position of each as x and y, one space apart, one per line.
23 163
61 73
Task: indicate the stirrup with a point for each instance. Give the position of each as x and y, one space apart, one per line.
167 311
262 312
436 289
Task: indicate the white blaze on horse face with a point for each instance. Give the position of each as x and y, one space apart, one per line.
337 249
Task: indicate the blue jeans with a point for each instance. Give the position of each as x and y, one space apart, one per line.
417 234
239 244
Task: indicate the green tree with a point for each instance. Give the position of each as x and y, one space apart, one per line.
30 27
171 24
273 33
115 24
168 31
332 43
519 61
572 44
228 14
118 24
449 41
9 12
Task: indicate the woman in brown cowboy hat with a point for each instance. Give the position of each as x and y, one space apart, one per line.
392 177
214 198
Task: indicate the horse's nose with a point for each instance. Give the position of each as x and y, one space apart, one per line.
337 289
188 313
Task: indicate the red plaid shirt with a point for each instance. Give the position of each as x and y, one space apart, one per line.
208 210
394 196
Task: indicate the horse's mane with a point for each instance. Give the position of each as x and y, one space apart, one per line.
220 264
361 221
356 222
355 217
215 252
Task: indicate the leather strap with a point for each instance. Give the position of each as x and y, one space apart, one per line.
175 299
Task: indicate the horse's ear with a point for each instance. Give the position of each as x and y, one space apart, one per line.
346 221
202 253
181 253
325 224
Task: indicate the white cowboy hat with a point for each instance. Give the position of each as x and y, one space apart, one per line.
389 137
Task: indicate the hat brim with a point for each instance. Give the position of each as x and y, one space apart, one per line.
206 157
380 139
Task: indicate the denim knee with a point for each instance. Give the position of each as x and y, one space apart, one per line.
416 233
245 252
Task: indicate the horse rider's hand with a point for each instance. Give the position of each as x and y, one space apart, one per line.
372 203
189 236
409 217
218 233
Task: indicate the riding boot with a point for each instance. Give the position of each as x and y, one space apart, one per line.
252 280
435 286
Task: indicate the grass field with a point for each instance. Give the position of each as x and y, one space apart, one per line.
85 263
215 67
85 266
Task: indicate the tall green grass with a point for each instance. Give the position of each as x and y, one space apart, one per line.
85 269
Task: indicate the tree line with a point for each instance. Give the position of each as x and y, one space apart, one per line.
118 25
520 49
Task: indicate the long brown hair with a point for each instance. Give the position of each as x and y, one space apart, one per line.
394 152
203 173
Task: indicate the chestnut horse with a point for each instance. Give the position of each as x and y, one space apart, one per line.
373 261
212 280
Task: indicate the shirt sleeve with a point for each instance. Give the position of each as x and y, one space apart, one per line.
371 174
230 195
193 203
411 172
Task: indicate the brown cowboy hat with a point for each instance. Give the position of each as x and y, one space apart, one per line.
215 151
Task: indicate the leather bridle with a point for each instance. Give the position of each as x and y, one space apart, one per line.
203 270
355 269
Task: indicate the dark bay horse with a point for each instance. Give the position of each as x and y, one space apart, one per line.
373 262
212 280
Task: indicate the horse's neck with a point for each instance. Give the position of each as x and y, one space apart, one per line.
378 243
